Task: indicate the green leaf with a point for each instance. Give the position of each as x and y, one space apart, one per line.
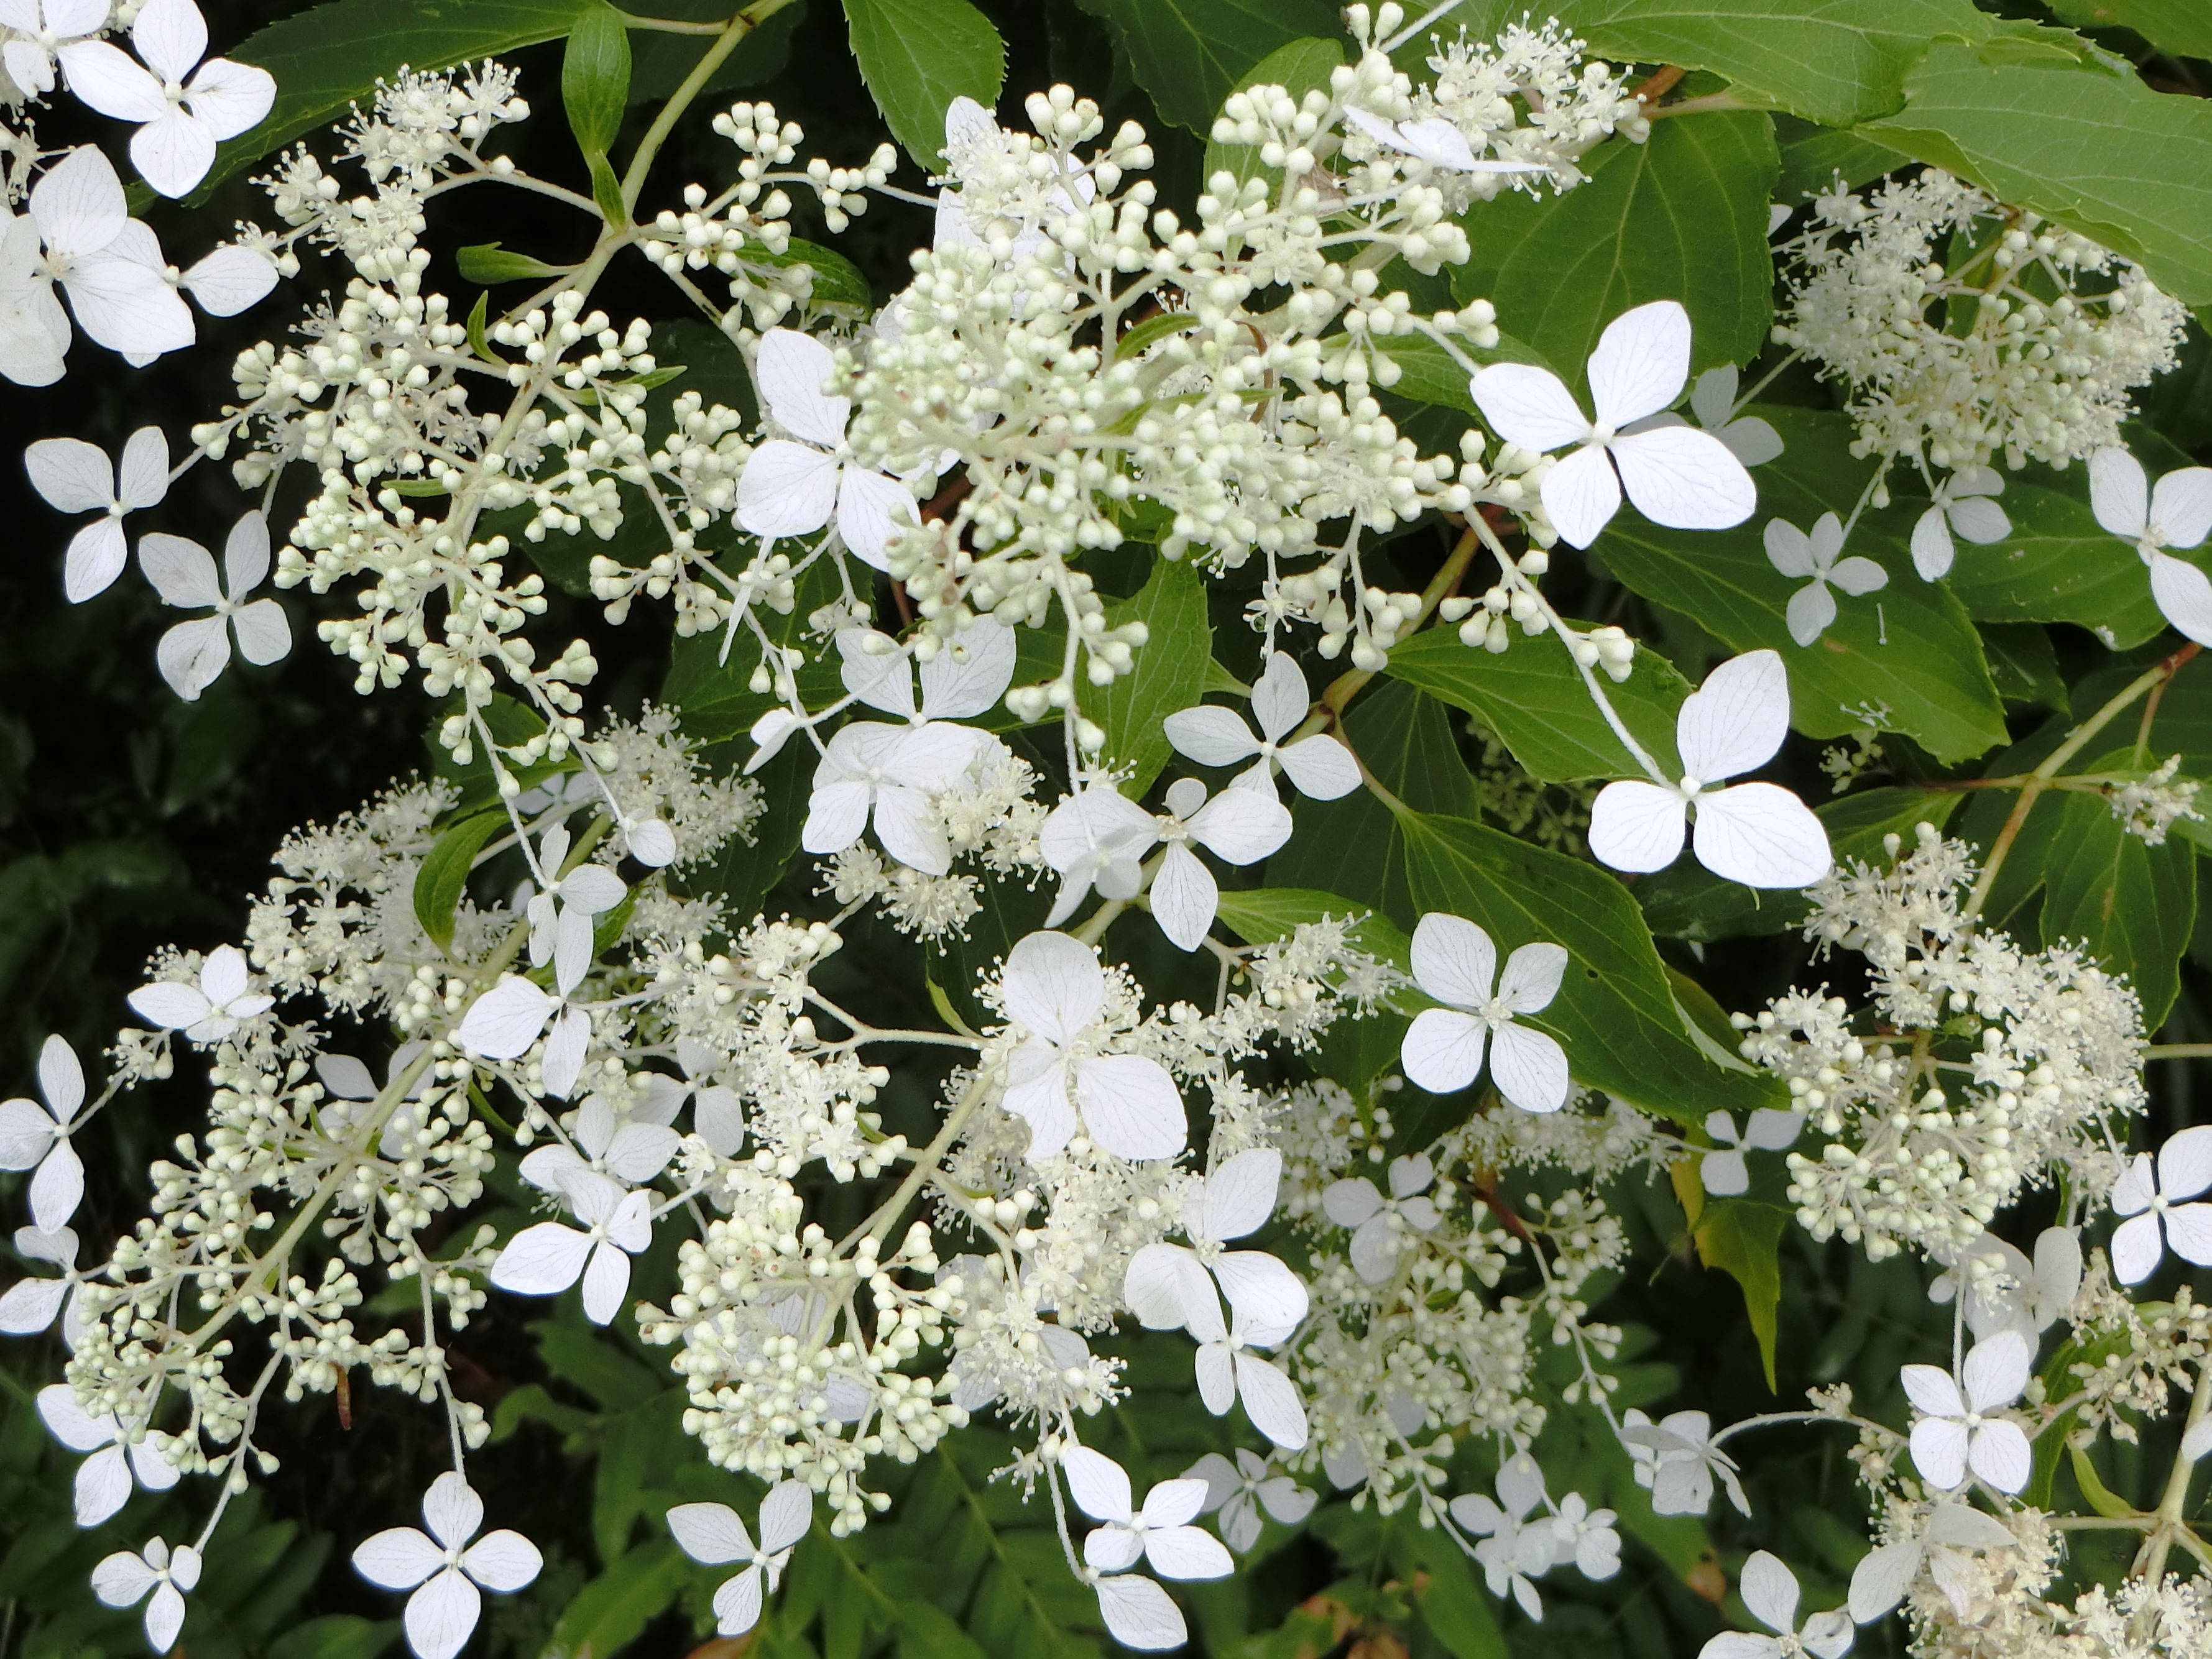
1191 54
329 58
2101 1497
2181 28
1429 375
1905 652
917 55
595 77
1615 1011
488 263
1261 915
2022 665
606 191
2057 565
2099 152
1837 61
1813 156
1533 698
1299 68
926 1633
613 1609
2132 904
838 285
1682 216
1687 900
1743 1239
445 873
1170 673
335 1636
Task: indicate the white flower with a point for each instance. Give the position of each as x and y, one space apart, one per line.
104 1479
1725 1173
1961 1426
2006 1291
43 27
193 654
1241 1490
887 773
2176 513
1053 990
1379 1224
564 914
1230 1369
155 1575
1883 1576
502 1024
963 679
1320 765
1096 836
630 1153
1436 140
546 1259
718 1116
1769 1590
80 235
1240 825
180 120
1164 1280
1677 1460
1795 554
444 1569
75 477
31 1302
2147 1195
1587 1536
712 1534
1962 504
1676 475
1514 1550
209 1010
35 1135
1454 962
1160 1534
1758 834
791 488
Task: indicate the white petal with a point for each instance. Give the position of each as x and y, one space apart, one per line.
1827 1635
1242 826
1443 1049
1769 1590
265 633
2185 1163
1789 550
442 1615
2184 596
1581 494
1216 1371
1162 1281
103 78
1139 1613
1211 736
791 371
786 489
1239 1196
1933 1390
1714 396
2119 493
606 1281
1532 978
1856 575
1454 960
1995 1370
1185 895
1530 1068
1640 362
1187 1552
2188 1231
71 475
785 1515
2137 1246
170 1005
1321 767
2137 1185
452 1509
542 1261
1882 1579
1130 1106
872 509
68 1421
1263 1293
1752 440
1272 1402
710 1533
504 1561
1737 719
96 555
2181 506
737 1602
229 279
1724 1174
1349 1203
398 1559
1037 1091
30 1305
506 1020
1099 1486
227 98
1280 697
1761 834
1636 826
61 1080
171 35
1938 1451
1053 986
121 1579
127 307
967 679
907 827
1683 478
59 1186
182 572
174 152
1979 519
102 1485
192 655
245 555
1811 609
165 1617
1528 406
836 816
1999 1454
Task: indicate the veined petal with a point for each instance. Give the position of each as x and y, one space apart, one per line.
1138 1613
452 1509
907 827
786 489
606 1281
1810 610
1636 826
58 1187
192 655
2119 493
1208 734
1581 494
1980 520
1998 1453
1238 1197
1761 834
182 572
442 1615
870 509
791 370
737 1602
1454 960
1162 1283
2138 1245
71 475
968 677
1272 1402
1099 1486
1789 549
1130 1106
1684 478
710 1533
1053 986
1263 1293
1185 895
504 1561
398 1558
1530 1068
173 152
1933 1390
1640 362
171 35
2181 506
227 98
1443 1049
264 633
1737 719
1320 766
1528 406
103 77
1857 575
127 307
542 1261
1995 1370
2184 596
2185 1163
506 1020
785 1515
1280 697
1187 1552
1769 1590
1532 978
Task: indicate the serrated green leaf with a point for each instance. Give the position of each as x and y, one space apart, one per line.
917 55
1533 697
595 76
1837 61
1615 1011
1681 217
2099 152
1299 67
1905 652
1743 1239
1169 674
2180 27
613 1609
488 263
1191 54
444 875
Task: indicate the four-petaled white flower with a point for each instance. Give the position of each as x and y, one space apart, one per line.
2178 514
712 1534
546 1259
792 488
75 477
193 654
718 1116
180 120
1163 1280
1378 1224
2007 1292
1053 991
1515 1550
79 233
1812 557
1885 1574
1587 1536
1676 475
208 1010
1676 1461
963 679
1724 1173
564 914
1962 1424
44 28
31 1302
1962 505
1237 1492
1749 438
2150 1193
1454 962
1159 1534
157 1575
630 1153
35 1135
887 773
1437 141
104 1479
1758 834
502 1024
1320 765
444 1569
1240 825
1769 1590
1098 837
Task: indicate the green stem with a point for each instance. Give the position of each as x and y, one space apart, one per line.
725 42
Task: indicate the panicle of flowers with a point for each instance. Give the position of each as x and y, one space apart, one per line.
2150 805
